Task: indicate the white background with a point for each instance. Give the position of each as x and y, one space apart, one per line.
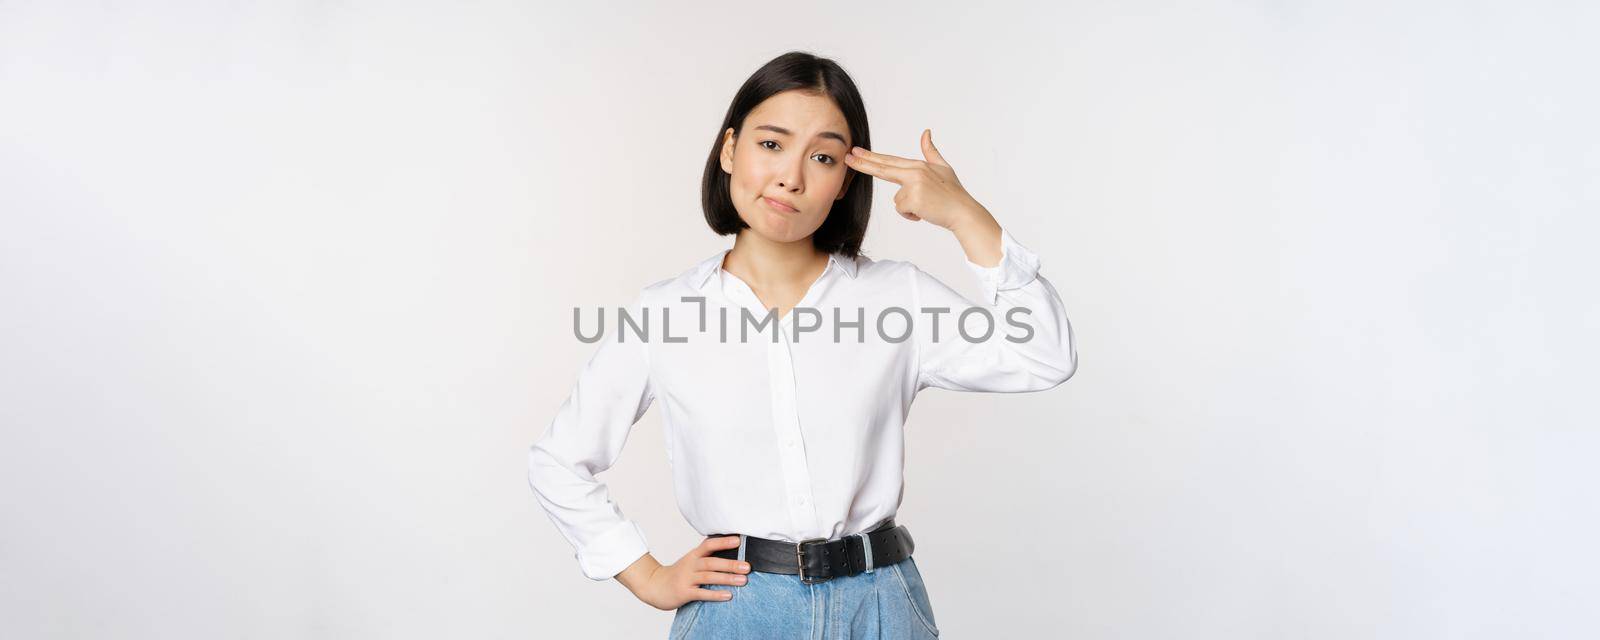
287 293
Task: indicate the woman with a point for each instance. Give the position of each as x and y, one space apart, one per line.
789 445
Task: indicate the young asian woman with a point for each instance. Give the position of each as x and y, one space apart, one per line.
796 437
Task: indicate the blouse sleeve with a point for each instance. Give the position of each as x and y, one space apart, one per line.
1031 347
611 393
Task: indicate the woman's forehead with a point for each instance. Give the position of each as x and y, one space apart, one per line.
800 113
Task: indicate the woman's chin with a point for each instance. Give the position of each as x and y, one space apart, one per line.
775 230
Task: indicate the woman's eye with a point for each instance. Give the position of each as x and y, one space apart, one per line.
826 159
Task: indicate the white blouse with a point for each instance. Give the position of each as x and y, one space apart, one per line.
791 434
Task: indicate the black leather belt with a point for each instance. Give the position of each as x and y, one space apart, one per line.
819 559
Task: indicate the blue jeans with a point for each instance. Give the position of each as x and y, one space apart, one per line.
889 602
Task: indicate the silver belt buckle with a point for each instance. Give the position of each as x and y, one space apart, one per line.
800 559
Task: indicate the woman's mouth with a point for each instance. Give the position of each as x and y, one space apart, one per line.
779 205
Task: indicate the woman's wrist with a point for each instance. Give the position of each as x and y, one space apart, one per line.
979 235
638 574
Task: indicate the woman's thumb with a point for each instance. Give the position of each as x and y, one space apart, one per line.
929 151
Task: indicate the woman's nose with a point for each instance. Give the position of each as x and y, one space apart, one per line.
791 181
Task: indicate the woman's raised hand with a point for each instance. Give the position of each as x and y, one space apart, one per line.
929 189
674 585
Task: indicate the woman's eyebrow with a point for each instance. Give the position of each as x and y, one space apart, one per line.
825 134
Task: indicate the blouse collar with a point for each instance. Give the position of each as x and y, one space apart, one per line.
710 266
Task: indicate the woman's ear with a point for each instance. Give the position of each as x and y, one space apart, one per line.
729 138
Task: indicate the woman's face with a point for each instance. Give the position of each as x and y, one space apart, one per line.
791 150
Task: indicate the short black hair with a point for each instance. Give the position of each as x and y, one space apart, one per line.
846 224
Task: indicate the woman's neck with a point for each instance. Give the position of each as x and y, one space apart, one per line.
765 264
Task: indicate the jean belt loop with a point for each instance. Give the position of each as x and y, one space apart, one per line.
866 550
741 547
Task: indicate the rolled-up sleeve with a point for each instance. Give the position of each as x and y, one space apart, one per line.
1031 348
587 435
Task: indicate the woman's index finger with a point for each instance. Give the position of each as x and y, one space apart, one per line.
884 158
876 169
